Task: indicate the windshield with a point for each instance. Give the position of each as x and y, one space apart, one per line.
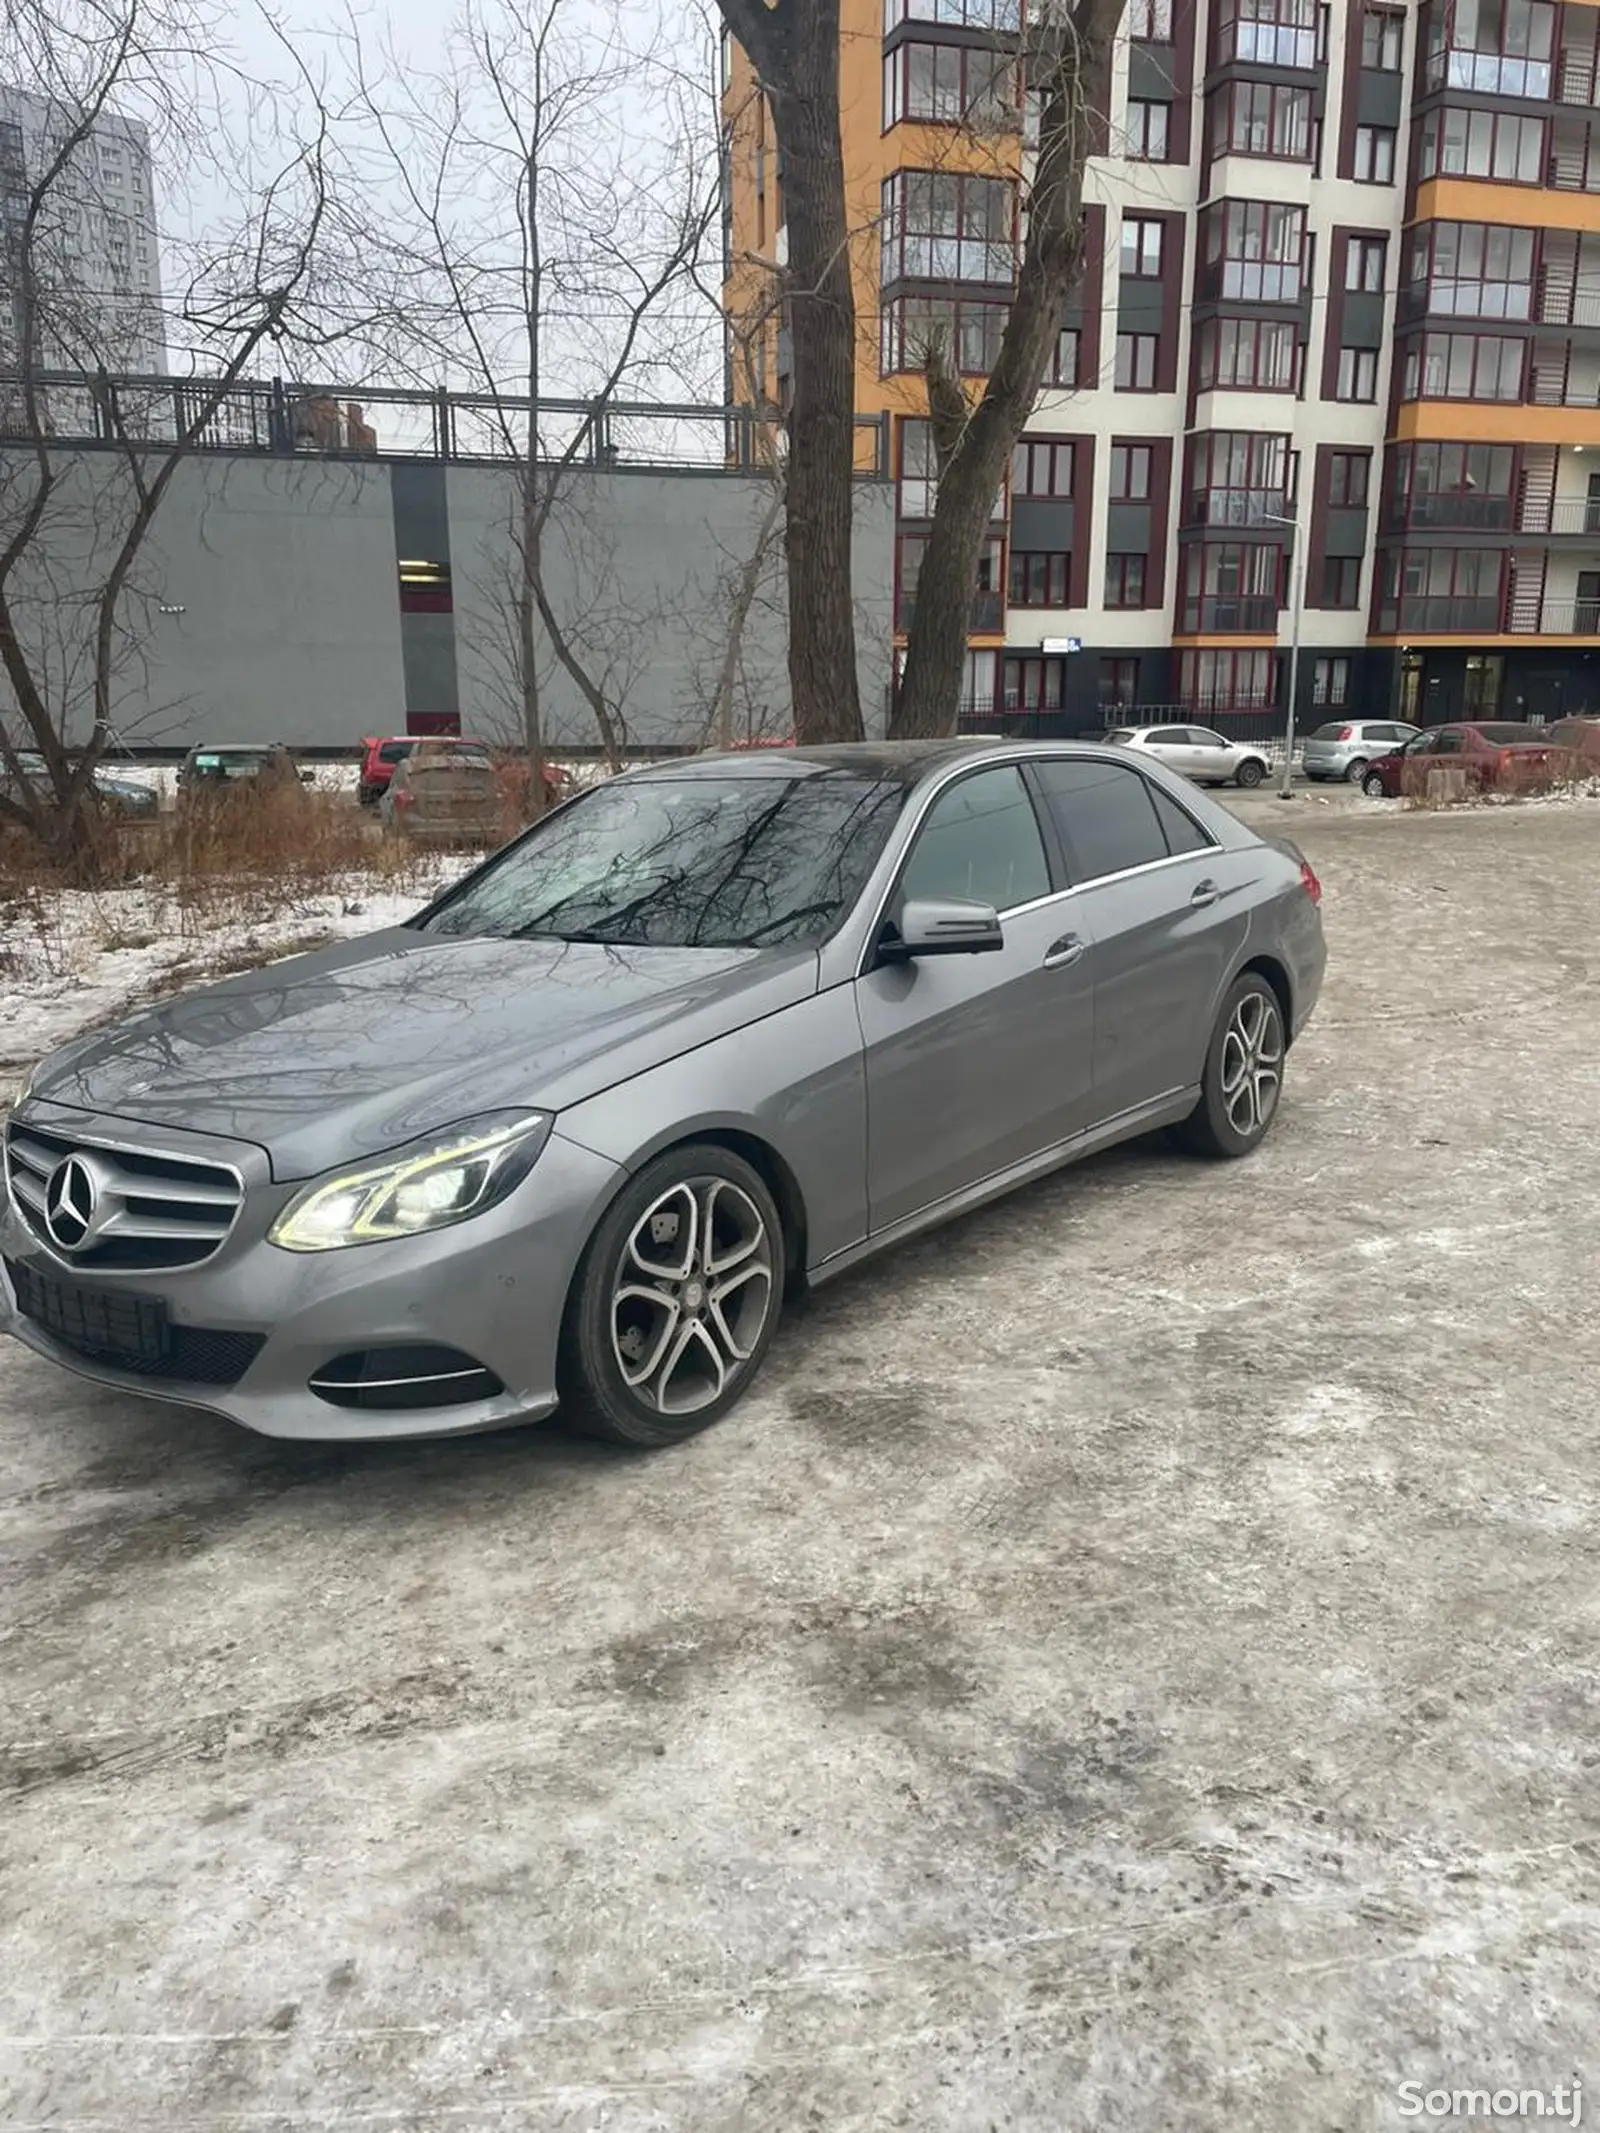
697 862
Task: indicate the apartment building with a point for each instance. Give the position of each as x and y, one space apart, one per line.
97 251
1334 361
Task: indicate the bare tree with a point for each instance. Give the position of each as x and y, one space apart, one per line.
793 46
151 76
540 243
1065 51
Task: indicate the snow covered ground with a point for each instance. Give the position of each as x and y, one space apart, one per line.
73 959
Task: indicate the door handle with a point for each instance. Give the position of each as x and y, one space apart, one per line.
1205 892
1064 951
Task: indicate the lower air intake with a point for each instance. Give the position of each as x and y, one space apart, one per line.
399 1378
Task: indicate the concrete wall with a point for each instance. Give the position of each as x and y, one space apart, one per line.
266 603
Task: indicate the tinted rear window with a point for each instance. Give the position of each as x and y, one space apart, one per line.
392 751
1508 736
1331 733
1106 816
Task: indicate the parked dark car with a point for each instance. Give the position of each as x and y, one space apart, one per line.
1580 737
118 795
262 764
1496 755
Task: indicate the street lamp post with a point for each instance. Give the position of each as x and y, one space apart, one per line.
1297 588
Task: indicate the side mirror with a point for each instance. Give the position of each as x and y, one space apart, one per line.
942 925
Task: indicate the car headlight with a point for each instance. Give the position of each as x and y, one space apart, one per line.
426 1186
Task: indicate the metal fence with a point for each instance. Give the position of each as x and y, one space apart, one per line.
293 419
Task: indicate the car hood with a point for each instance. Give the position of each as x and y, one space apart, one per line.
367 1045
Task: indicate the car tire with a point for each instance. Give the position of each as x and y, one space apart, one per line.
1356 771
1238 1101
1372 785
1250 772
675 1301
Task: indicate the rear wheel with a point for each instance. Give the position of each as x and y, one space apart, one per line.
676 1300
1243 1076
1357 771
1250 772
1372 785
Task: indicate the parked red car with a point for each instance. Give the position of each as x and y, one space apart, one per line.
1494 753
381 755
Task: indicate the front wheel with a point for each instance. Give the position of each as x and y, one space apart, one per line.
1372 785
1243 1076
1250 773
1357 770
676 1301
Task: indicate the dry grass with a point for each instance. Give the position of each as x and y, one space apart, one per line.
1447 787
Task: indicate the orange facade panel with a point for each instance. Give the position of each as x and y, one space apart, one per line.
1529 207
1475 422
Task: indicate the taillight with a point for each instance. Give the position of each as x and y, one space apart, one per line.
1309 882
1347 733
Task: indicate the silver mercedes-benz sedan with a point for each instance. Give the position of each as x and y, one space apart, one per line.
709 1033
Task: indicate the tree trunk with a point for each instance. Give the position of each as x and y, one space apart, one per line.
822 326
1070 62
527 607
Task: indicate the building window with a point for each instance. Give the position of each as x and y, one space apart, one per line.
1039 577
1460 487
963 14
1482 144
1119 683
1150 21
1141 247
1065 359
425 587
1237 477
1341 581
1231 585
1348 474
1136 362
1475 269
1358 374
951 85
1147 131
1464 366
1492 50
944 226
1041 466
1439 589
1330 682
1033 684
1253 118
1374 157
1268 33
1383 36
1257 251
972 331
1130 473
1125 580
1246 354
1366 261
1224 680
919 479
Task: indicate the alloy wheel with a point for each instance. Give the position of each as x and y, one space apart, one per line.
692 1295
1252 1064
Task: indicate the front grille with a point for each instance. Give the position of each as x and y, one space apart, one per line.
130 1333
127 1209
421 1375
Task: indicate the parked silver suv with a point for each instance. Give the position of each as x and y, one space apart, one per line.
1345 746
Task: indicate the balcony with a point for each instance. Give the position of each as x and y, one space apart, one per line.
1450 513
1255 509
1246 615
1488 616
1554 618
1488 73
1255 281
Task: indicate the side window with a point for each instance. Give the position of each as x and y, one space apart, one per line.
1106 816
1424 744
1169 737
980 841
1203 737
1182 832
1449 741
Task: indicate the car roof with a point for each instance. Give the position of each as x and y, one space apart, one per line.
899 762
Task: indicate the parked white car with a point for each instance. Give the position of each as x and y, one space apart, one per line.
1209 758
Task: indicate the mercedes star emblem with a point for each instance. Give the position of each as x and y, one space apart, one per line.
70 1203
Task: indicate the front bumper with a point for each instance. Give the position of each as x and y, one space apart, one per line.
494 1287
